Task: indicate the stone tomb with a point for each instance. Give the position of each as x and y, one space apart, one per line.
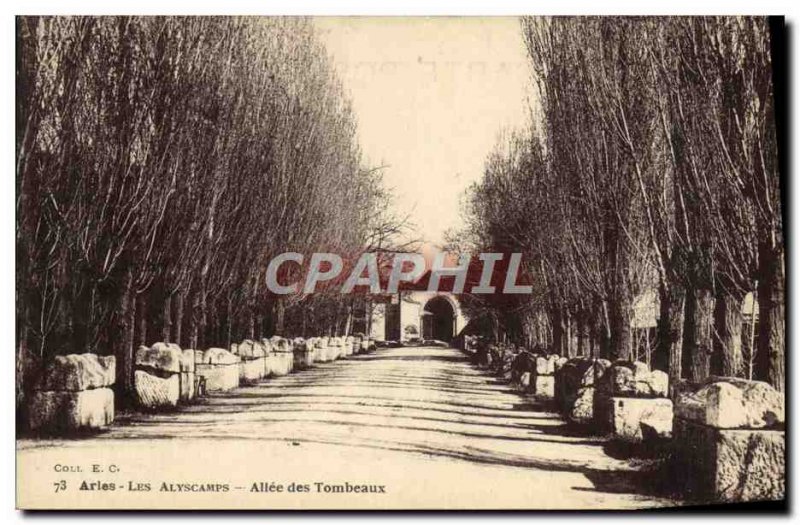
335 346
219 368
631 402
358 339
303 353
74 394
349 343
729 441
321 350
252 361
157 377
522 371
543 377
282 356
575 386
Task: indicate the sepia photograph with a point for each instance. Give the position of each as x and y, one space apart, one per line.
400 262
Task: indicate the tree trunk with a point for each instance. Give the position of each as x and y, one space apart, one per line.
202 321
670 330
348 319
81 313
558 331
583 334
620 317
727 358
279 312
698 341
368 328
23 353
251 320
770 353
604 332
194 325
572 335
177 328
227 334
166 318
141 316
123 339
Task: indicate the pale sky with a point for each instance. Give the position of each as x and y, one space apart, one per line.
431 96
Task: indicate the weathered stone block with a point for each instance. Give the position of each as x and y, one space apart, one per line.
581 409
732 403
253 360
335 348
620 380
633 379
569 379
545 366
303 355
219 368
252 370
156 392
218 356
281 363
729 465
544 386
626 414
321 350
161 356
357 340
76 372
68 411
219 378
653 384
525 380
248 349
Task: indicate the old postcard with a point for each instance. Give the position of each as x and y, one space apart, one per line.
400 262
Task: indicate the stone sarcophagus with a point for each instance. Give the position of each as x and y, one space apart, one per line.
523 370
729 441
357 340
252 361
74 394
322 352
542 380
281 360
157 378
631 402
218 368
335 348
575 382
303 350
349 343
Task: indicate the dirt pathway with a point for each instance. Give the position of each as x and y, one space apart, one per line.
422 422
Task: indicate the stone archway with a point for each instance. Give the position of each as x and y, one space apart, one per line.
438 319
406 320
